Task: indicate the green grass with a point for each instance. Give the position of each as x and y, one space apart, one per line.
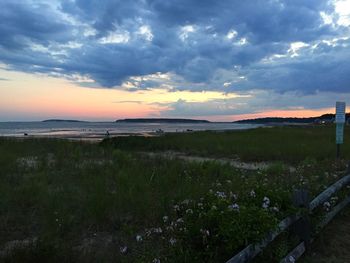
83 202
289 144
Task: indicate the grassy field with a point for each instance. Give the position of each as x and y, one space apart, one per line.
288 144
67 201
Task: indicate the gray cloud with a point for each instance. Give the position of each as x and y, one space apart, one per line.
24 23
256 101
111 41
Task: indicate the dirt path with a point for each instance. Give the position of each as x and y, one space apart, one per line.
235 163
333 244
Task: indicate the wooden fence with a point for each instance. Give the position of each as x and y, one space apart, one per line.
299 222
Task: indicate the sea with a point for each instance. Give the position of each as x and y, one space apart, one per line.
98 130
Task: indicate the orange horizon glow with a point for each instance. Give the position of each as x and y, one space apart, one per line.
286 114
31 97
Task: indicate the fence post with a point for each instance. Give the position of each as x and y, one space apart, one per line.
302 228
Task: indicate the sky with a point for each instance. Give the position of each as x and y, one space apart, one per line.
102 60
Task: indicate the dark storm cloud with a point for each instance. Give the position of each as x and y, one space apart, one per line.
121 39
321 68
23 22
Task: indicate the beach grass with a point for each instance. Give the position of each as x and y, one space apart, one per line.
289 144
65 201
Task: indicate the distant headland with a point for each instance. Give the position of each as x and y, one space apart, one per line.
161 120
323 119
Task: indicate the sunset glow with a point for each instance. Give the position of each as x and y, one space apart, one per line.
155 62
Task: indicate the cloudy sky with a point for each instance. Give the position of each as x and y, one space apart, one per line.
218 60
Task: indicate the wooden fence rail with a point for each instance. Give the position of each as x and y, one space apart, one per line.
253 250
321 198
300 249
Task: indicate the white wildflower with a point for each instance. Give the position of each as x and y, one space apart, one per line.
176 207
189 211
172 241
180 220
123 249
138 238
165 219
148 232
157 230
327 206
334 200
234 207
220 194
205 232
169 228
266 202
252 193
185 202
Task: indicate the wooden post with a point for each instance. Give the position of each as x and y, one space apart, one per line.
302 228
338 151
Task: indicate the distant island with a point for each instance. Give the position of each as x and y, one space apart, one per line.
323 119
161 120
59 120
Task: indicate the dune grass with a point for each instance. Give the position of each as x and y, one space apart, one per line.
79 202
288 144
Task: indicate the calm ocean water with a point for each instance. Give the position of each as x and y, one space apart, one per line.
99 129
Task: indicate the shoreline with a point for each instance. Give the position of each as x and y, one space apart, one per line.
98 136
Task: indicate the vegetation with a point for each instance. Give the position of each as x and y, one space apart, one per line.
286 144
80 202
325 118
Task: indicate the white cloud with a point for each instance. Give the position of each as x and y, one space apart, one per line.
115 38
295 47
146 32
231 34
342 8
185 31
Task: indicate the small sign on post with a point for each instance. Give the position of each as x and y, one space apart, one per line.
339 133
339 120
